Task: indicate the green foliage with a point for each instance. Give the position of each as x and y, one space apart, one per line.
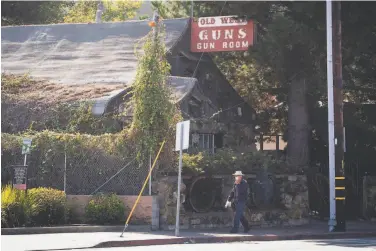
85 11
105 209
12 83
48 141
39 207
226 161
47 206
81 119
154 113
13 207
144 17
82 150
33 12
174 9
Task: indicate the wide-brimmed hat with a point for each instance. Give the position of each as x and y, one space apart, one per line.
238 173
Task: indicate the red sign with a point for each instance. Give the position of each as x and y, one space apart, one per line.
227 33
20 186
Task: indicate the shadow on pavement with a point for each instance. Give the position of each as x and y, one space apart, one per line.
355 243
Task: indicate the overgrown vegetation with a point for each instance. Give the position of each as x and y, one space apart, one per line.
39 207
91 159
50 12
154 113
84 11
290 43
47 206
43 106
33 12
226 160
13 207
12 84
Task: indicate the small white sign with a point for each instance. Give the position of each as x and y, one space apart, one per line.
26 144
221 21
184 137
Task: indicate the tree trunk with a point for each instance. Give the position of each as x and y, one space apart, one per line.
298 125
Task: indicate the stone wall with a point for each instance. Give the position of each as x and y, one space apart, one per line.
286 205
369 197
141 215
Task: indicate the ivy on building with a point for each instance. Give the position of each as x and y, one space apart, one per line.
154 113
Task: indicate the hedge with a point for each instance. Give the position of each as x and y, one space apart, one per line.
39 207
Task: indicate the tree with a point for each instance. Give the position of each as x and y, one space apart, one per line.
154 113
282 65
33 12
85 11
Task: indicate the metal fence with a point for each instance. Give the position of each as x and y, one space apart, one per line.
89 172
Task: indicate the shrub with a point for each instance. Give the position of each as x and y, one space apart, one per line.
47 206
226 161
105 209
13 207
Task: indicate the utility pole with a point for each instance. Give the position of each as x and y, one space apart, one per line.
340 181
192 9
331 140
100 10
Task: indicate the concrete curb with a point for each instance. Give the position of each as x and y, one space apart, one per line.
69 229
213 239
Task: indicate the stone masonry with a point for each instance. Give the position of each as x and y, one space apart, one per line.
288 207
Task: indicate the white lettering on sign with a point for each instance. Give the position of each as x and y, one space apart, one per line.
205 46
217 34
242 34
229 34
221 21
210 34
235 45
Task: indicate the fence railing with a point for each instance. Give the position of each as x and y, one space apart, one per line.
91 171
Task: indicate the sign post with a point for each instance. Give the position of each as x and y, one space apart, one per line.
182 143
19 171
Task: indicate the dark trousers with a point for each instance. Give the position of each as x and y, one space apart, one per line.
238 208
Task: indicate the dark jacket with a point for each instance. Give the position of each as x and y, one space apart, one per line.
239 192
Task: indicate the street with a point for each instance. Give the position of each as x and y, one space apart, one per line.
316 245
26 243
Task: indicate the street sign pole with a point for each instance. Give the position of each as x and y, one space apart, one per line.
177 223
25 160
182 142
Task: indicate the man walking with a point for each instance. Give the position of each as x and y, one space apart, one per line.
237 200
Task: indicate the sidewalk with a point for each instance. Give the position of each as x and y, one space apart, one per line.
318 230
132 237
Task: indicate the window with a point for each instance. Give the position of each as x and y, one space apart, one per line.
270 143
203 141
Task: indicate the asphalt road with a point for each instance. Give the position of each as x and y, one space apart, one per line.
79 242
317 245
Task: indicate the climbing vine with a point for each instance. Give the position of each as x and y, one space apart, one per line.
154 113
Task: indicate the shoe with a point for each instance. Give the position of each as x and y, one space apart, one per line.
234 231
246 229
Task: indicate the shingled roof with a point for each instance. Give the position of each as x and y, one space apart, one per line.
80 53
86 53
